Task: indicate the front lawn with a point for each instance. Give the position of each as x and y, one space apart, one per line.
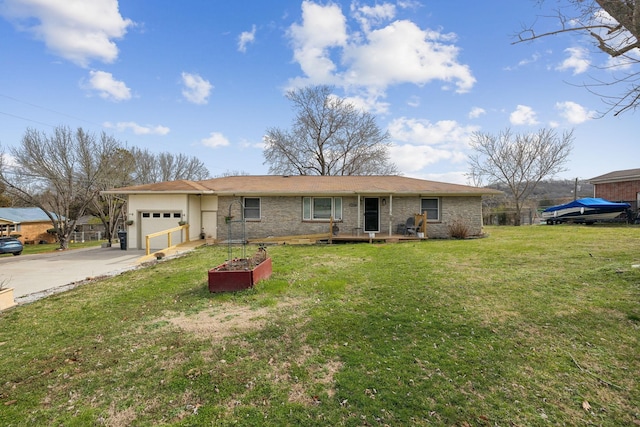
530 326
52 247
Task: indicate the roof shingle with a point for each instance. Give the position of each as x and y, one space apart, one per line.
622 175
20 215
307 184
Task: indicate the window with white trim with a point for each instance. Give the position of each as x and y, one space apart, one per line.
251 209
10 227
431 207
321 208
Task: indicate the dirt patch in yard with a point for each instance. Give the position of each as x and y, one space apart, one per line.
228 320
221 325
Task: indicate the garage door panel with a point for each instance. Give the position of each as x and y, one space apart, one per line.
154 222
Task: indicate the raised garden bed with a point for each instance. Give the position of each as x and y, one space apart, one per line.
239 274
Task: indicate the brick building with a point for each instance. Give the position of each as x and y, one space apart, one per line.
29 224
619 186
275 206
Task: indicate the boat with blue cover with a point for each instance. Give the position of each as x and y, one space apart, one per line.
587 210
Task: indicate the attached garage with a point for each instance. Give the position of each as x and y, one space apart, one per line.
297 205
156 221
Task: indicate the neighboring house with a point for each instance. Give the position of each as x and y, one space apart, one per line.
297 205
88 227
619 186
30 224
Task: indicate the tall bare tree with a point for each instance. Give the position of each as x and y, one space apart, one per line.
519 161
151 167
614 26
330 136
110 208
59 173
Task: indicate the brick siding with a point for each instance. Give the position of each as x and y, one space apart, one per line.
626 191
35 232
282 216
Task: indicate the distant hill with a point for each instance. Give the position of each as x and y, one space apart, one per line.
554 192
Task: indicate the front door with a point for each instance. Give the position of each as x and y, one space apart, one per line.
371 214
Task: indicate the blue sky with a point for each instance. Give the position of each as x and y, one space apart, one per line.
207 78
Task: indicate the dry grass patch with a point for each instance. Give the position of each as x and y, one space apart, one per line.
229 319
117 418
232 321
229 322
317 374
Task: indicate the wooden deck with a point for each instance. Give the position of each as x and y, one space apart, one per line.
379 238
340 238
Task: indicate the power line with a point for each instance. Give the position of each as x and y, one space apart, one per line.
24 118
43 108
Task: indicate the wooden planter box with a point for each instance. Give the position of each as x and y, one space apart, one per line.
6 298
223 278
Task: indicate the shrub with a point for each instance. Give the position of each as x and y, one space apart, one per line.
458 229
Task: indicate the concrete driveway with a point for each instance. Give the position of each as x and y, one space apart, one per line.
37 276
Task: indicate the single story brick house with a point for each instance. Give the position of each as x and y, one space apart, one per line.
30 224
619 186
271 206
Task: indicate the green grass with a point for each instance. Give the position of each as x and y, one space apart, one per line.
527 327
52 247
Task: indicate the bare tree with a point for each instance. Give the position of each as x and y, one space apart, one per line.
519 161
5 199
110 208
146 167
330 136
150 167
59 174
175 167
614 26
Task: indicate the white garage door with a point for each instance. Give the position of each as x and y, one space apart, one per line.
153 222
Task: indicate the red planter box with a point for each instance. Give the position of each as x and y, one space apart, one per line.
223 279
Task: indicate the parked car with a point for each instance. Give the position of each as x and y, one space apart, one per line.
10 245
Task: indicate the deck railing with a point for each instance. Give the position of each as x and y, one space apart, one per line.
168 232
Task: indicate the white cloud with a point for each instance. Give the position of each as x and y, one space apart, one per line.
108 87
578 60
215 140
370 101
8 160
534 58
574 113
372 15
523 115
412 158
476 112
376 56
425 143
414 102
323 27
197 89
403 53
453 177
138 129
245 38
77 30
245 143
423 132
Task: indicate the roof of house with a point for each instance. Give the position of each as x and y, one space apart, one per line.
22 215
307 184
617 176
